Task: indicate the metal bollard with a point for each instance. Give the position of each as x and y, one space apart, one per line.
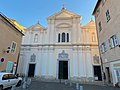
81 87
28 82
65 82
77 86
24 85
13 87
70 83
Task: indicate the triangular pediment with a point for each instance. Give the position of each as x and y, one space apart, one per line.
90 24
36 27
63 14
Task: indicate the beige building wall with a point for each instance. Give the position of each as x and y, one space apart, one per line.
8 34
109 29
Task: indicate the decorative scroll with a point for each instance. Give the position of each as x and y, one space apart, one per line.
33 58
96 59
63 55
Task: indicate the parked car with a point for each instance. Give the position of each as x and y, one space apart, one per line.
7 80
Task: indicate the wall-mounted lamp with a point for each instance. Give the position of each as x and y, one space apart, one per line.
6 51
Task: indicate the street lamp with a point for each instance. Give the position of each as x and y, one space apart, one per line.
2 52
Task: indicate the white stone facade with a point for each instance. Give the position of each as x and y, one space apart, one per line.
64 41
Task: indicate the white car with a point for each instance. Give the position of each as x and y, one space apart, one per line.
8 80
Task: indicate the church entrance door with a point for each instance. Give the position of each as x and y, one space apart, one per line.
31 70
97 73
63 69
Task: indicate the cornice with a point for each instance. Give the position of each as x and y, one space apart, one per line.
36 45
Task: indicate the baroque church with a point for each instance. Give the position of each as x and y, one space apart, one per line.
64 50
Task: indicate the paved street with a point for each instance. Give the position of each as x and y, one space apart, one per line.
40 85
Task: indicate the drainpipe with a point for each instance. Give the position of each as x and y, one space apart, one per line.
17 63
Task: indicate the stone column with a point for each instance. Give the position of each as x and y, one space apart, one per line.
75 62
89 62
51 60
51 29
74 32
44 61
27 59
84 62
81 62
38 62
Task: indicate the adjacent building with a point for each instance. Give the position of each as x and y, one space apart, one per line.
107 19
10 42
64 50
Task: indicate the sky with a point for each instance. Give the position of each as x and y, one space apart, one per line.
29 12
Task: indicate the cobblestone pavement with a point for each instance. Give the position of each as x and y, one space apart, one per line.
40 85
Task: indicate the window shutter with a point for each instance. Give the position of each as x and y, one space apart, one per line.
105 48
101 48
13 47
115 40
100 26
118 37
110 44
108 15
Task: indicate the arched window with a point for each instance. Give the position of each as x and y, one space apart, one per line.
36 38
63 37
67 37
59 37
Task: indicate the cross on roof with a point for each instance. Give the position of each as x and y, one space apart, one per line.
38 22
63 6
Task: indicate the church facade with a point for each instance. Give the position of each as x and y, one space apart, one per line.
64 50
